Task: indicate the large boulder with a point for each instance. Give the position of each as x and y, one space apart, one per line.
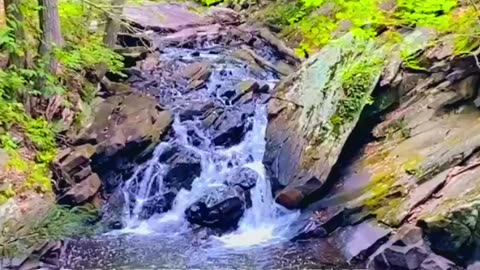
228 126
184 165
359 241
220 208
123 120
307 124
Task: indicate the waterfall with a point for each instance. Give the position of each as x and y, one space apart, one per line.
263 221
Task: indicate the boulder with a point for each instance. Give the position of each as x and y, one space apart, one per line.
220 208
184 167
197 74
360 241
244 178
81 192
124 120
303 142
407 250
229 126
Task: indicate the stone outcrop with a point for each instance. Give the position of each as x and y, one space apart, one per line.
408 250
421 168
122 124
303 138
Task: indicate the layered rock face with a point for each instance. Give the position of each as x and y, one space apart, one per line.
421 168
118 128
306 130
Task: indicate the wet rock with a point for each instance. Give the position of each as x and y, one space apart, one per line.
184 167
221 208
156 205
360 241
197 71
196 110
248 86
298 156
245 178
435 262
81 192
229 127
197 74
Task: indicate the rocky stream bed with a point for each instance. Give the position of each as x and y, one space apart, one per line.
217 152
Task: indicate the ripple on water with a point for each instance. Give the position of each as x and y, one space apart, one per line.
187 252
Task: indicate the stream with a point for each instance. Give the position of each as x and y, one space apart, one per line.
218 213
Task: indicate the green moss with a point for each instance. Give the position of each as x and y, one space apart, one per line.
357 77
412 166
380 187
397 130
6 192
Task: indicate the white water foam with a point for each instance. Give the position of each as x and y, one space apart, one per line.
264 222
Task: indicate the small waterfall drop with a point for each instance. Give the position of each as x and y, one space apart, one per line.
264 221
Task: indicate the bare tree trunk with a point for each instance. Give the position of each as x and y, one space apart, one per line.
15 20
3 15
111 30
51 32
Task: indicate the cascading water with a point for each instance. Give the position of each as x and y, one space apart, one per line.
156 231
263 222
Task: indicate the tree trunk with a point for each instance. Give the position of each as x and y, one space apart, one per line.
113 23
51 32
14 19
3 15
111 31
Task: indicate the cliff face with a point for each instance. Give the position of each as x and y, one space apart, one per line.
308 125
422 166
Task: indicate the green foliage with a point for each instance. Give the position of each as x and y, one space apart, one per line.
356 85
16 237
320 21
89 55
